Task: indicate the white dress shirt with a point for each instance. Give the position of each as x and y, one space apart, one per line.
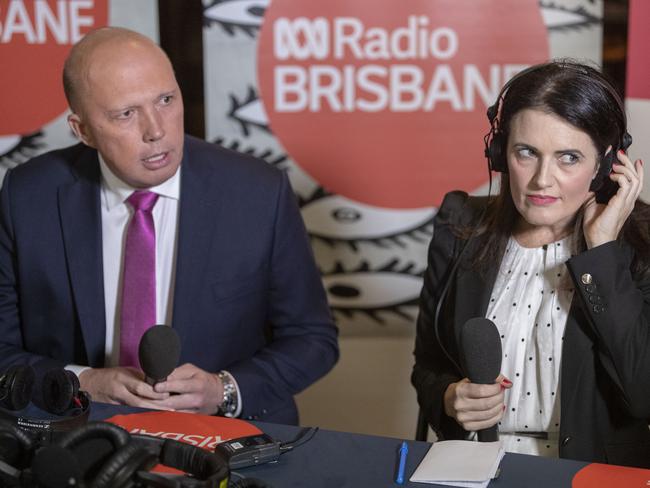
116 215
529 304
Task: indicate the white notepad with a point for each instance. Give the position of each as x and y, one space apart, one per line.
460 463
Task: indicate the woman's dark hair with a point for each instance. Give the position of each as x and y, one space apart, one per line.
583 97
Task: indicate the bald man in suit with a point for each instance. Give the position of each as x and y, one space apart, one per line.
235 275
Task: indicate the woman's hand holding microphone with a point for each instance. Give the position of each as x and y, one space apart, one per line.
475 406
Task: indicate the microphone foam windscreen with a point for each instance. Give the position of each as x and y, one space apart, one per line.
159 351
480 350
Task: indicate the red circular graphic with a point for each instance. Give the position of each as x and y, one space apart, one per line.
384 102
608 476
35 37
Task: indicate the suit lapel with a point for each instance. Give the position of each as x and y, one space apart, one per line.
79 207
196 226
473 293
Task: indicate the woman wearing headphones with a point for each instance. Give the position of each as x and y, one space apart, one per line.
560 262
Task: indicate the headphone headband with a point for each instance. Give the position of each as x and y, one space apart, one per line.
495 139
206 467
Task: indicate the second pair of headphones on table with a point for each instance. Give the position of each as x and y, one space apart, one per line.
57 393
103 455
59 389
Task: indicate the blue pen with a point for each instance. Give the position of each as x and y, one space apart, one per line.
403 451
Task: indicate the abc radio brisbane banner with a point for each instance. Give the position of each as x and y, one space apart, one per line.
375 109
35 38
369 100
638 81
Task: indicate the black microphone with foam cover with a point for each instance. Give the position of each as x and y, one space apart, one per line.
480 349
159 352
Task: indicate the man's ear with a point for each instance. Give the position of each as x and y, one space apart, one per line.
80 130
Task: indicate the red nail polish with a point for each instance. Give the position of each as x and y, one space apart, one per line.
504 408
621 152
507 381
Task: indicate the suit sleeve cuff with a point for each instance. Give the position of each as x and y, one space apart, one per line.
600 274
76 369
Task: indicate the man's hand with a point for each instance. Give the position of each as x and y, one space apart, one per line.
120 386
474 406
192 390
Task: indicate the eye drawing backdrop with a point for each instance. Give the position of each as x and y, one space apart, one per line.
372 255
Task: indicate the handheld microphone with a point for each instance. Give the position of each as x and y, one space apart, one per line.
481 359
159 352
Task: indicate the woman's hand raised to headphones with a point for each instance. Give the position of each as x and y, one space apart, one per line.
602 223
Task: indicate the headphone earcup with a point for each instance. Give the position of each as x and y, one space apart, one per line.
118 470
93 444
59 388
626 141
201 464
18 381
16 446
496 153
54 466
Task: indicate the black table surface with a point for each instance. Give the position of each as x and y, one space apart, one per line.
341 459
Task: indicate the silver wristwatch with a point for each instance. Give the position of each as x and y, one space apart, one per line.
229 405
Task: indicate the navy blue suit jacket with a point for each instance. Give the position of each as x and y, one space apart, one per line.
248 297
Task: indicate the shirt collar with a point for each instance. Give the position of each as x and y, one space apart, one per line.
115 191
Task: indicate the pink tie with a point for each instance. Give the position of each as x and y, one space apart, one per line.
138 277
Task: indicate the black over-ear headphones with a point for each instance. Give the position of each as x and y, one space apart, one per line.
103 455
58 393
496 139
